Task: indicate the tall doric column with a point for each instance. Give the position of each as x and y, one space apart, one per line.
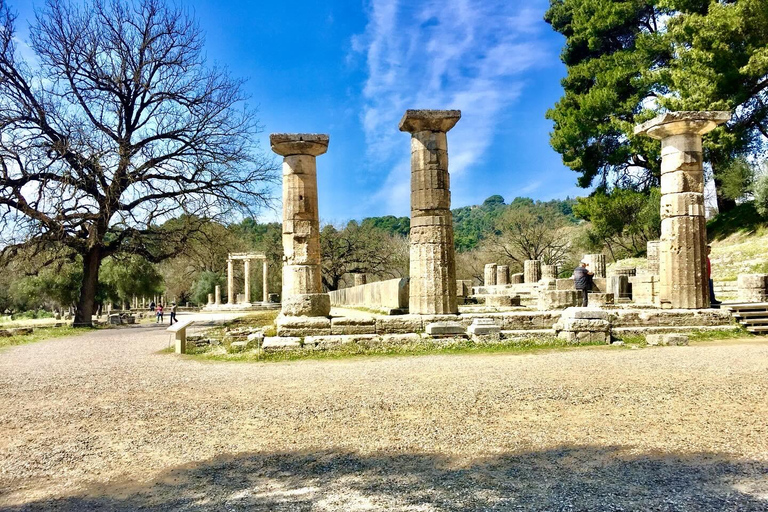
432 259
247 286
302 284
230 283
218 295
683 247
264 281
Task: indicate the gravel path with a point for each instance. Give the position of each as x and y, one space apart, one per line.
104 422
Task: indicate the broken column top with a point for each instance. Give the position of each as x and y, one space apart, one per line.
287 144
676 123
429 120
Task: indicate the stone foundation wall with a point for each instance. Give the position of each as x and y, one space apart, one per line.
390 294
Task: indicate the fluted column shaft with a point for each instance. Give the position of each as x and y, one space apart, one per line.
247 279
302 279
230 282
264 281
432 253
682 249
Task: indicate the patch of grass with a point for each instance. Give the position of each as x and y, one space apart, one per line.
742 219
42 333
719 335
369 349
251 320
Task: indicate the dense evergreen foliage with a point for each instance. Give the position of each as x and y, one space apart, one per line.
628 60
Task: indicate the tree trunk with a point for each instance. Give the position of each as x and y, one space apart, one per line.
724 204
87 301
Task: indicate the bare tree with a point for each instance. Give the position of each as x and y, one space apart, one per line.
358 249
536 232
117 127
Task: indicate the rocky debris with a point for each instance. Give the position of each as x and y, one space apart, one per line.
666 339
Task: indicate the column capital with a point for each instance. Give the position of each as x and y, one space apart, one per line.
287 144
678 123
429 120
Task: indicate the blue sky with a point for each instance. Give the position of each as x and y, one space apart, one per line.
351 68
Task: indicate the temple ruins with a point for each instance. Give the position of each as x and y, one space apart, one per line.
667 295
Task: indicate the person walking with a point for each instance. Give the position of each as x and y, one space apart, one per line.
173 313
159 312
582 278
712 300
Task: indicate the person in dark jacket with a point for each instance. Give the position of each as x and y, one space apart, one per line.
582 278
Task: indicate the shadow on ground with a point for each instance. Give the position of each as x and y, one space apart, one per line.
574 478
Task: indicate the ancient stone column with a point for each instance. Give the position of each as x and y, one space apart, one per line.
432 258
360 279
489 274
549 271
596 264
302 281
652 255
210 298
247 279
218 294
682 252
502 274
531 271
264 281
230 282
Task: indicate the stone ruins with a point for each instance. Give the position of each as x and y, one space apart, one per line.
432 261
624 300
241 301
683 279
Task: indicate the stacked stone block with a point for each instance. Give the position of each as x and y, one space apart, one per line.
531 271
432 256
682 251
549 271
516 279
582 325
360 279
502 274
753 287
489 274
302 286
596 264
652 255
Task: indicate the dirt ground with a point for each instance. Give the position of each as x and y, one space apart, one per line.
104 421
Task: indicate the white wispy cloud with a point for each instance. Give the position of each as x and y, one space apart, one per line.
470 55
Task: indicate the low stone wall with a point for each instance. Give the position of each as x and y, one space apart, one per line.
390 294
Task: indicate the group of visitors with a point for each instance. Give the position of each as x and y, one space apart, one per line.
582 279
158 310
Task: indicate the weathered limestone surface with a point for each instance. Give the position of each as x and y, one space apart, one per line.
489 274
682 251
645 289
432 256
501 301
670 317
618 285
360 279
230 283
652 255
666 339
483 327
549 271
346 325
752 287
389 294
218 294
463 287
516 278
502 274
600 299
301 225
290 326
210 298
531 271
399 324
584 325
445 329
625 271
557 299
596 264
